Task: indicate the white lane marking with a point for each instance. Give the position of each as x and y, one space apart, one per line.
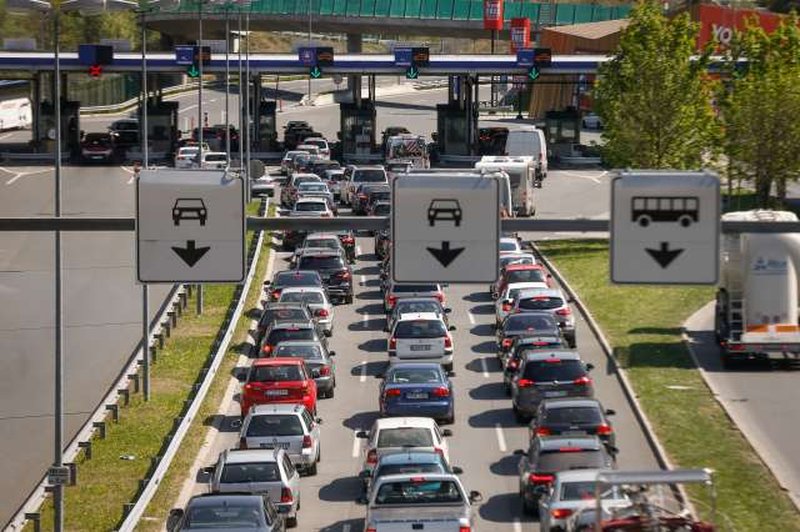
484 368
131 179
363 280
23 174
501 439
517 525
7 135
127 169
356 445
188 108
471 318
358 250
363 376
595 178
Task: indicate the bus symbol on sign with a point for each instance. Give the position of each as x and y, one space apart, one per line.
684 210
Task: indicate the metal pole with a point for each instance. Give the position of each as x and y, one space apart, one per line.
247 113
145 342
309 44
491 87
241 99
145 139
199 299
200 124
227 86
58 413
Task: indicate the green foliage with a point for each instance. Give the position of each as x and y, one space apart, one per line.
653 97
760 108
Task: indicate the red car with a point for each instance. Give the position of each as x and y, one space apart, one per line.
521 273
279 380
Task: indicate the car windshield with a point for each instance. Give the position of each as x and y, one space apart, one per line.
573 415
570 458
526 276
313 262
228 515
281 335
369 176
335 176
528 322
312 186
404 469
308 352
505 261
276 373
310 206
382 210
418 491
256 472
508 245
302 297
554 369
414 376
583 490
411 288
275 425
408 307
297 279
327 243
420 329
541 303
405 437
213 157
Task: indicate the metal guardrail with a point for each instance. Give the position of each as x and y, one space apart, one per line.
151 485
122 106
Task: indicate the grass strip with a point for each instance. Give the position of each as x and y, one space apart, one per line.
111 477
643 324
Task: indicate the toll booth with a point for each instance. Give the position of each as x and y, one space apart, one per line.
162 127
562 130
70 127
452 129
267 137
358 128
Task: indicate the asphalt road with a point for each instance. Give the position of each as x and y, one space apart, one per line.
485 431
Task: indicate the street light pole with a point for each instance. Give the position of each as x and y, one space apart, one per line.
227 84
247 113
241 99
200 124
145 164
309 44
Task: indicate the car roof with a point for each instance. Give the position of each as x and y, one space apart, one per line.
514 267
293 324
399 422
216 499
410 457
278 361
534 292
296 273
405 477
588 442
578 475
571 402
561 355
310 199
370 167
410 316
509 239
244 456
536 313
322 235
301 289
526 286
299 343
267 409
426 299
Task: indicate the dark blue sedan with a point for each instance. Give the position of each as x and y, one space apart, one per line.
417 389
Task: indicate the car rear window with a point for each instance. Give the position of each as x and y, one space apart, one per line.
369 176
505 261
313 262
572 415
302 297
411 288
554 370
508 246
327 243
383 210
228 515
301 351
275 373
403 307
405 437
281 335
256 472
558 460
290 313
541 303
275 425
414 376
526 276
216 158
296 279
310 206
404 469
420 329
528 322
418 491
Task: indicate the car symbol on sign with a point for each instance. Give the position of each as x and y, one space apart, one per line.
189 209
444 209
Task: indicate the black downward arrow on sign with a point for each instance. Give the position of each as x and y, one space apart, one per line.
664 256
191 253
445 255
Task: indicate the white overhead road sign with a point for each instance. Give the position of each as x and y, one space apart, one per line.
445 228
665 227
189 226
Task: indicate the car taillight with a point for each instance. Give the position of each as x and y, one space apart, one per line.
442 391
392 300
736 347
276 294
560 513
543 431
507 343
306 442
440 297
348 240
362 196
604 430
583 381
345 275
242 443
324 371
513 365
267 349
439 451
525 383
286 495
321 313
392 343
533 478
372 457
464 529
564 311
448 342
371 529
506 307
392 393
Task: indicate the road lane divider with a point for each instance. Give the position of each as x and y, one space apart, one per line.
484 368
356 444
363 376
501 438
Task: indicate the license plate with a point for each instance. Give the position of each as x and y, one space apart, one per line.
417 395
560 393
276 392
274 446
422 347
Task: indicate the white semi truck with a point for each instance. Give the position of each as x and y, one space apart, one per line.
757 301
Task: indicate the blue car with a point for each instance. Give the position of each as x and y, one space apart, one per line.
417 389
406 462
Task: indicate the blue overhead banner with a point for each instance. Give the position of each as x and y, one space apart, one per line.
403 57
540 57
95 54
184 55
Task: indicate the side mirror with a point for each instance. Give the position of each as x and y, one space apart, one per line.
457 470
520 452
318 420
331 353
241 377
448 310
589 366
379 375
362 500
451 328
175 516
447 433
315 373
364 475
475 496
610 412
327 333
613 450
451 373
362 434
267 282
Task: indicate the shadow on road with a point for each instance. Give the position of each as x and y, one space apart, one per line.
489 419
478 297
484 347
503 508
346 489
373 369
491 391
376 345
361 420
506 466
351 525
492 365
484 329
375 324
483 310
372 295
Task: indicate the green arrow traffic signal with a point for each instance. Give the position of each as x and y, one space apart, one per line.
192 71
412 72
533 73
315 72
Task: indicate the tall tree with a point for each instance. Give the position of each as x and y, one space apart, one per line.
654 96
760 108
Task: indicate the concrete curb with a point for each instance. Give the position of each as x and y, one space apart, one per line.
627 388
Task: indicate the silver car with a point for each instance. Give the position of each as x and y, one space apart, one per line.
284 426
421 337
317 241
505 304
317 300
312 189
318 361
571 492
415 304
259 471
552 300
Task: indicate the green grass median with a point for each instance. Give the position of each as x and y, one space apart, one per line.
111 477
643 324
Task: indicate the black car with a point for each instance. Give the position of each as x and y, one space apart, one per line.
282 331
220 511
547 455
286 278
378 193
557 417
382 242
531 323
320 166
362 195
523 346
274 311
334 270
348 240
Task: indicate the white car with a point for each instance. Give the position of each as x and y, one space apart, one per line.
259 471
571 492
402 434
311 207
264 185
510 244
421 337
186 157
217 160
317 300
288 161
504 305
309 148
364 174
324 150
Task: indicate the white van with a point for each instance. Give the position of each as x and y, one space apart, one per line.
528 141
217 160
521 179
15 114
